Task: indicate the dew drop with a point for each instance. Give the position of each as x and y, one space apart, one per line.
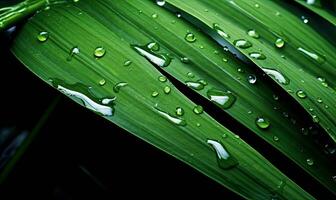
243 44
162 79
190 75
198 110
166 89
99 52
310 161
118 86
74 51
318 58
154 46
195 85
43 36
279 43
127 63
222 99
179 111
258 56
220 31
224 159
203 82
175 120
155 15
316 119
252 79
162 60
253 33
279 77
276 138
319 100
185 60
262 122
190 37
301 94
160 2
102 82
155 94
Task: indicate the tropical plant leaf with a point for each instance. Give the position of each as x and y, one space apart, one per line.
73 50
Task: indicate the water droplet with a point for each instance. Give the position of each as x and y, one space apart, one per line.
198 124
74 51
178 15
190 37
160 2
319 100
243 44
118 86
224 158
190 75
155 94
99 52
105 110
43 36
258 56
316 119
127 63
155 15
175 120
224 60
257 5
275 97
166 89
310 161
253 33
223 99
102 82
185 60
304 19
279 43
162 60
162 79
220 31
318 58
198 109
195 85
154 46
262 122
301 94
203 82
276 138
252 79
279 77
179 111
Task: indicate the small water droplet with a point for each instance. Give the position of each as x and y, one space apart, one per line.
275 97
162 79
178 15
262 122
310 161
99 52
253 33
319 100
160 2
179 111
224 60
190 75
257 55
304 19
190 37
220 31
195 85
166 89
155 94
154 46
198 109
318 58
198 124
243 44
316 119
185 60
74 51
301 94
162 60
127 63
257 5
279 77
276 138
203 82
252 78
43 36
155 15
175 120
223 99
118 86
224 158
279 43
102 82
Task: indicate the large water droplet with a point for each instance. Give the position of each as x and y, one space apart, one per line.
280 78
190 37
160 2
43 36
118 86
104 110
166 89
223 99
198 109
279 43
253 33
99 52
243 44
318 58
262 122
175 120
162 60
220 31
257 55
195 85
224 159
301 94
252 79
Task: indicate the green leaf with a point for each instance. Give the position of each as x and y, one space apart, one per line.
70 56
